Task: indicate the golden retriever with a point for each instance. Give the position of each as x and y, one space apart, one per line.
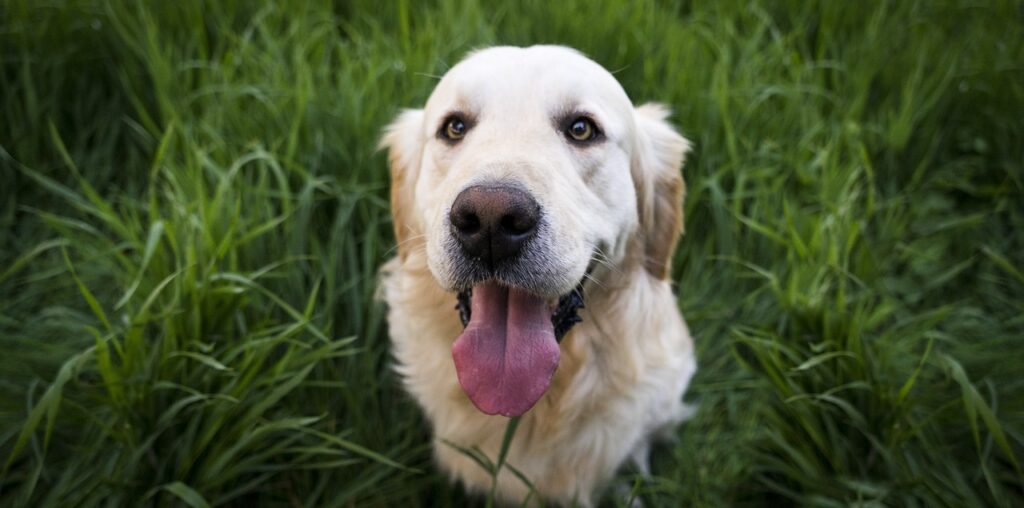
532 200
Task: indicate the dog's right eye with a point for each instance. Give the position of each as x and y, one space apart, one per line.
454 129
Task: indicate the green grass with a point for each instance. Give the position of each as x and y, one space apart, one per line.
193 212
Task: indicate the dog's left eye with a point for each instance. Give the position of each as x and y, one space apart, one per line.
582 129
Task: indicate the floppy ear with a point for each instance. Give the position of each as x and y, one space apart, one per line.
404 141
657 165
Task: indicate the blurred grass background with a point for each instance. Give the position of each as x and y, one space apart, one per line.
193 211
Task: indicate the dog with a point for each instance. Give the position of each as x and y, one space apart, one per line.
536 212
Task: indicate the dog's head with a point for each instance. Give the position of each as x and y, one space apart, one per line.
526 168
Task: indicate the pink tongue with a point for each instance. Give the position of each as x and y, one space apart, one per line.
508 353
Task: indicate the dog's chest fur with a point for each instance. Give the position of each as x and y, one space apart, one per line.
619 383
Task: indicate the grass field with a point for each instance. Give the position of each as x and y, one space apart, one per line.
192 212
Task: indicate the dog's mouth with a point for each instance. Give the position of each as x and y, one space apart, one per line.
508 352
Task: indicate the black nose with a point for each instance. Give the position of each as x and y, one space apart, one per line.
493 223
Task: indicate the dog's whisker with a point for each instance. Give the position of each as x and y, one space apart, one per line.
406 242
604 262
428 75
601 258
593 279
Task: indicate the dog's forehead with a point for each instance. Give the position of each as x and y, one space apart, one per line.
550 77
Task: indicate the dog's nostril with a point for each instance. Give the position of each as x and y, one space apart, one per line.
517 224
467 222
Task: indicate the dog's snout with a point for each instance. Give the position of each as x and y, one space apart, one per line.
493 223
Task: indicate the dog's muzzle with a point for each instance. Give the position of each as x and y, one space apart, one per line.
509 348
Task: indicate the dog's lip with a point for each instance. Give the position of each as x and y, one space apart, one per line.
563 308
551 299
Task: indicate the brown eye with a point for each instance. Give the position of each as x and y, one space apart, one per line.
582 129
455 128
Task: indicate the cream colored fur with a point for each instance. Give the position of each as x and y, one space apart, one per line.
625 367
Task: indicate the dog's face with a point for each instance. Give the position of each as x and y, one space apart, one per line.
545 126
526 168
